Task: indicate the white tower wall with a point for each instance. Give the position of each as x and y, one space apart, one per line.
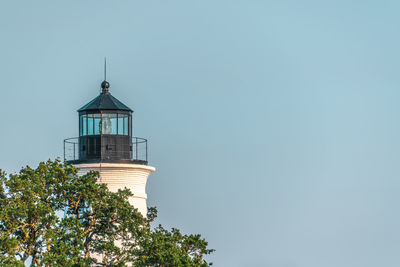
118 176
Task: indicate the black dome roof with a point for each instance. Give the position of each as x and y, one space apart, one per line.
105 101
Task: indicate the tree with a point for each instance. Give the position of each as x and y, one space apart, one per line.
52 216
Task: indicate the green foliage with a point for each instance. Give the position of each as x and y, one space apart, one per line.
164 248
51 216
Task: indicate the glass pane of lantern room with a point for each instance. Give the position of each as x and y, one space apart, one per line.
97 124
113 118
121 124
90 124
84 125
109 124
80 125
105 124
126 125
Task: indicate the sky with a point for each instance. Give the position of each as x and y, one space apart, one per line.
273 125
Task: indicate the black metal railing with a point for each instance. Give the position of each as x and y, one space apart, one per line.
75 151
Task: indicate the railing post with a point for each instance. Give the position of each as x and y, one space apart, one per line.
64 151
136 149
74 151
146 151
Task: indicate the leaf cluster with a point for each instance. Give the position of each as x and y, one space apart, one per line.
51 216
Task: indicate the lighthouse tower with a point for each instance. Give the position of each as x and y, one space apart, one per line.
106 144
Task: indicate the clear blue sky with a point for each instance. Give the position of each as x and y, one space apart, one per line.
274 125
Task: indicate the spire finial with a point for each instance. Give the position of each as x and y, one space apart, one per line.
105 68
105 85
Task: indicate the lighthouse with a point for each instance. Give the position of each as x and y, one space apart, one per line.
106 144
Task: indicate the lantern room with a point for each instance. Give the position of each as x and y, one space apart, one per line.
105 115
105 133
